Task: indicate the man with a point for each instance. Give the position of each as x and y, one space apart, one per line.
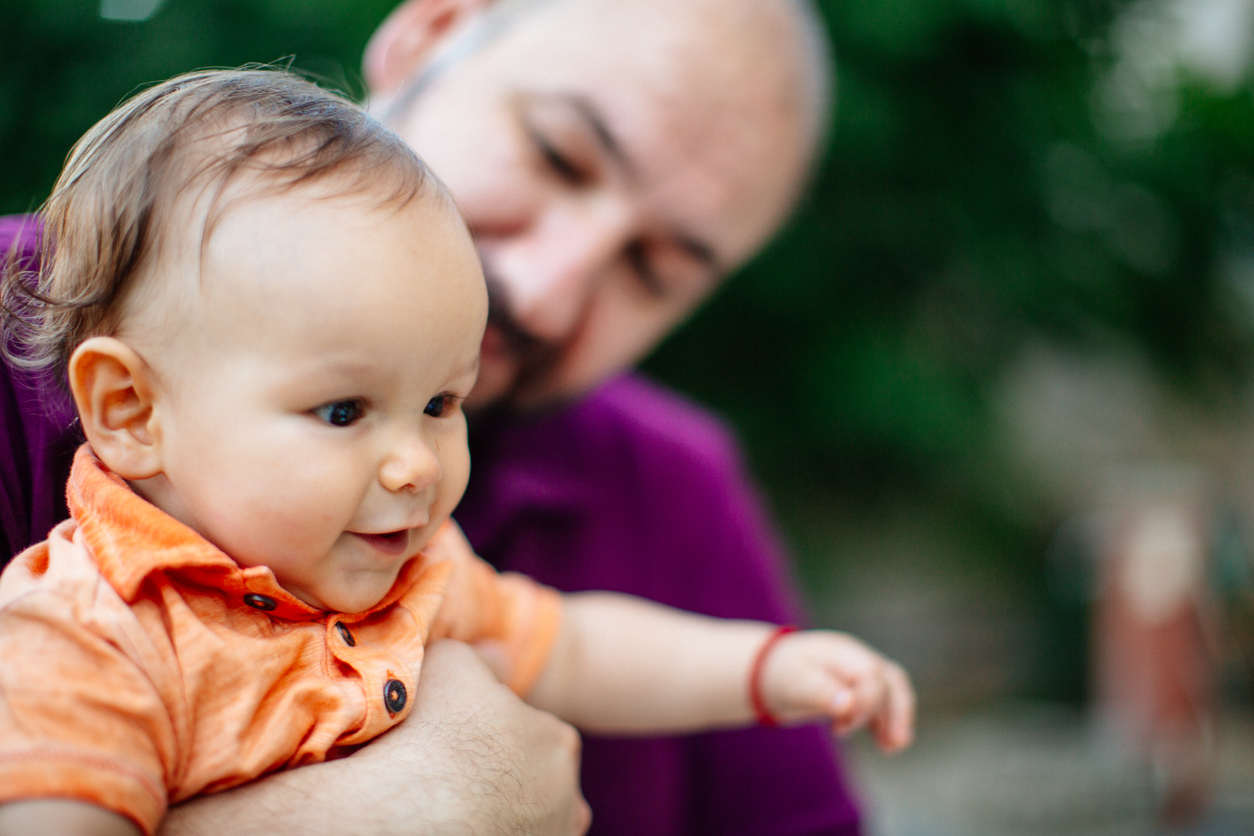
612 174
614 160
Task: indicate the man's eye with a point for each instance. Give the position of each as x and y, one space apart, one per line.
340 413
561 165
644 272
559 162
440 405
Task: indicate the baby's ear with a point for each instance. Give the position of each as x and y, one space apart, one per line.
112 388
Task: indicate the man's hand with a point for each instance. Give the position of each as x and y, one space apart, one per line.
508 768
63 816
470 759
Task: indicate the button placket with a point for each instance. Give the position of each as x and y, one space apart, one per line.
394 694
260 602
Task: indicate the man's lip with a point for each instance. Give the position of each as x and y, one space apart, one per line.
496 347
493 341
393 543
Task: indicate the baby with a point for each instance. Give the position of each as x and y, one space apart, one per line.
268 313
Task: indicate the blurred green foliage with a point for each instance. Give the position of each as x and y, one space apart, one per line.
64 67
930 249
968 204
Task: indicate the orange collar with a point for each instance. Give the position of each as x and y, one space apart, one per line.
130 539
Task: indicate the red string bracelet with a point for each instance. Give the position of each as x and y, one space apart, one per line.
764 715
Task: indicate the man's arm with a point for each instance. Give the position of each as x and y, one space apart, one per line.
63 817
471 759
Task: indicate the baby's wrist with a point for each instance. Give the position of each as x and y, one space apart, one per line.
762 711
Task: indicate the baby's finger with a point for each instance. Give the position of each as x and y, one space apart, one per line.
868 691
893 726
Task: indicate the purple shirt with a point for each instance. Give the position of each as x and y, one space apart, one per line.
40 432
632 489
635 490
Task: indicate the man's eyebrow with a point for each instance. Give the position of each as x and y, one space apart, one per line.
609 143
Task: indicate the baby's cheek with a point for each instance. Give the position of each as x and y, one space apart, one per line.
308 530
456 475
271 530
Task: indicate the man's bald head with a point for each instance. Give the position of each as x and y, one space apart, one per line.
786 33
614 158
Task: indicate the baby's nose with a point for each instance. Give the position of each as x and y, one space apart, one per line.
412 466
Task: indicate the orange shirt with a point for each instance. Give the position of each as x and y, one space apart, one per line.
139 665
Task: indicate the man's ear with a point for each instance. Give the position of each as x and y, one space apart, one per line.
409 36
113 390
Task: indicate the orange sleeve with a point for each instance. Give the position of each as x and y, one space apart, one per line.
482 604
79 719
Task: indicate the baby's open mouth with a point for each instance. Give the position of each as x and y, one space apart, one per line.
391 542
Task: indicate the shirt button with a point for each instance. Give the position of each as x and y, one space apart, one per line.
347 636
394 695
260 602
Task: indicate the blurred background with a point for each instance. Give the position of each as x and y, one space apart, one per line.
995 377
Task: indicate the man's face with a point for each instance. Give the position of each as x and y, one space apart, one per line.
613 162
310 416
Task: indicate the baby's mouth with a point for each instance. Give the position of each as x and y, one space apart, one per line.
391 542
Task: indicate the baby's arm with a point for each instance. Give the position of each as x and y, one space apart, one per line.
624 665
63 816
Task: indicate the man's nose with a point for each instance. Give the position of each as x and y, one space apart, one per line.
551 270
411 465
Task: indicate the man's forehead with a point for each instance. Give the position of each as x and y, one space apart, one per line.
730 31
708 99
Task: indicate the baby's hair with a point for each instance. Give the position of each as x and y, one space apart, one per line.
110 208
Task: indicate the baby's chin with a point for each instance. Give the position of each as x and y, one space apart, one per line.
355 589
350 594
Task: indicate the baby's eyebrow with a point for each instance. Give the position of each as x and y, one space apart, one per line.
468 367
347 366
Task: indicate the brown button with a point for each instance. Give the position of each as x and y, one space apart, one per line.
260 602
347 636
394 695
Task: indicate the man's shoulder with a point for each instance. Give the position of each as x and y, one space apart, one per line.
20 232
658 423
38 428
664 459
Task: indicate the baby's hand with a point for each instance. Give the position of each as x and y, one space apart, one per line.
820 673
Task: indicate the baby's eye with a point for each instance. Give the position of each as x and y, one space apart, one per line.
340 413
440 405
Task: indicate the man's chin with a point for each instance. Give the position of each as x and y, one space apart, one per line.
503 385
501 374
491 389
514 394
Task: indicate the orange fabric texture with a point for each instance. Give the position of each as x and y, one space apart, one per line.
135 674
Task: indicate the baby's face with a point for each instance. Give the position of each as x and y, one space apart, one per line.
311 419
